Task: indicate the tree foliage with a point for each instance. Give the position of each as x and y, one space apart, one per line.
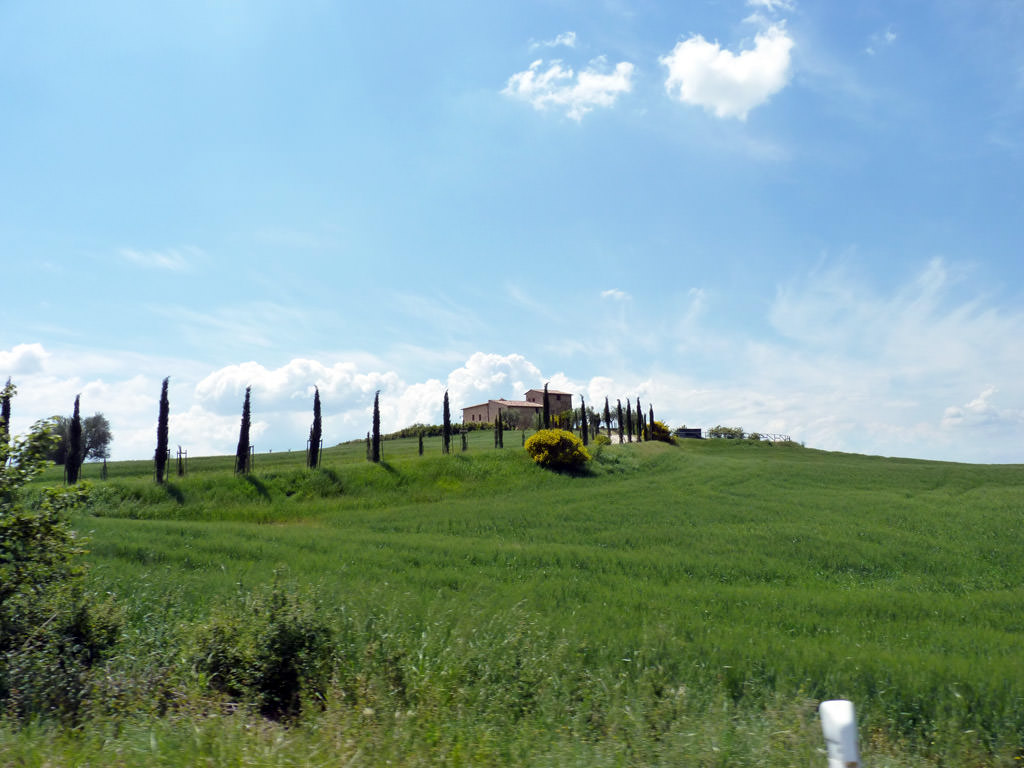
52 632
547 408
162 432
96 437
5 410
607 419
315 433
242 452
583 420
73 462
446 428
375 445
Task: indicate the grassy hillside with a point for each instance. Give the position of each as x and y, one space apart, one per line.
678 605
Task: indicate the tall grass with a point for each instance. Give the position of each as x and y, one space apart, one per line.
678 605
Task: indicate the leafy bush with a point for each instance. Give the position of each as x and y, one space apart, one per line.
557 449
601 439
734 433
52 632
270 650
660 431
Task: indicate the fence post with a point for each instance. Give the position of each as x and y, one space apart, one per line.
839 726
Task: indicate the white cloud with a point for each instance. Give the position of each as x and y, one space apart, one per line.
772 5
880 40
171 259
568 39
911 370
22 359
615 294
560 87
725 83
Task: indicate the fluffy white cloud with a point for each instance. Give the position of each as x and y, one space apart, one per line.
726 83
22 359
561 87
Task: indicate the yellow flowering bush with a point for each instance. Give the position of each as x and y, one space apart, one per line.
557 449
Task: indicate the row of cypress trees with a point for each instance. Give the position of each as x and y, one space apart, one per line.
627 426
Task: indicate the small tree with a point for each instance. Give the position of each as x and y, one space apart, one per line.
96 437
315 433
75 453
242 452
607 419
160 457
421 442
618 413
446 426
5 411
583 420
499 431
595 422
629 422
650 421
547 409
375 444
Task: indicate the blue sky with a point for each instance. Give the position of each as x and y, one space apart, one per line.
787 216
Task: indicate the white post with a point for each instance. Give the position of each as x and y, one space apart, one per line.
839 725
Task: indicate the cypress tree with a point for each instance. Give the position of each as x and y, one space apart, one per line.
547 409
583 420
5 411
375 445
242 452
163 416
421 442
315 433
629 422
607 419
446 426
618 412
501 430
74 460
650 422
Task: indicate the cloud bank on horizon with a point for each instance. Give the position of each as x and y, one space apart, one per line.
834 377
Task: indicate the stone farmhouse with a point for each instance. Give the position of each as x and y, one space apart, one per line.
519 411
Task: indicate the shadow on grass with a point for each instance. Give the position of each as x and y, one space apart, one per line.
175 493
261 489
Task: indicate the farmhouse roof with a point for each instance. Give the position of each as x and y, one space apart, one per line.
519 403
550 391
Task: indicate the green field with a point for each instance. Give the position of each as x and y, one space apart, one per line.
677 605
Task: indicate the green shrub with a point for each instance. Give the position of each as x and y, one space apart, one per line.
557 449
270 649
52 632
734 433
660 431
601 439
